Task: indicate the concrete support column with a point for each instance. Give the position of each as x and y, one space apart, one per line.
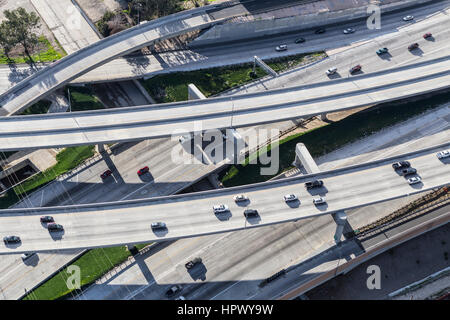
303 158
194 93
324 118
100 148
257 61
341 219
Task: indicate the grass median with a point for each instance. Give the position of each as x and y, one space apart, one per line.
173 87
93 264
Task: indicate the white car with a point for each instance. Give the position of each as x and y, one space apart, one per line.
349 30
443 154
408 18
184 138
331 71
290 197
281 47
240 197
220 208
414 180
319 200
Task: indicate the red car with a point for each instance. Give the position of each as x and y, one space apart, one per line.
355 69
106 174
142 171
427 35
413 46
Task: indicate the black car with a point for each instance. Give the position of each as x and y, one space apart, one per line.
192 263
173 290
11 239
400 165
299 40
54 227
45 219
407 171
250 213
314 184
319 31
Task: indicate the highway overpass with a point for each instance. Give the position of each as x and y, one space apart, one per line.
190 215
72 66
163 120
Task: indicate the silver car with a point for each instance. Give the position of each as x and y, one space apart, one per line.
443 154
331 71
240 197
414 180
220 208
281 47
319 200
408 18
290 197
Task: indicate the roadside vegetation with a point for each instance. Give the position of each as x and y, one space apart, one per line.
93 264
67 159
19 41
332 136
137 11
173 87
83 98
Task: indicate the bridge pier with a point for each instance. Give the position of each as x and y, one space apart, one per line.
340 218
303 158
100 148
257 61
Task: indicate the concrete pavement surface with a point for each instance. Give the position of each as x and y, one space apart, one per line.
88 226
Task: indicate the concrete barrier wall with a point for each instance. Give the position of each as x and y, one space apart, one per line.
229 32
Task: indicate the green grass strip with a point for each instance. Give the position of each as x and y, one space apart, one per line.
93 264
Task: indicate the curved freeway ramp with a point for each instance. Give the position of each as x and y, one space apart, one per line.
70 67
191 215
163 120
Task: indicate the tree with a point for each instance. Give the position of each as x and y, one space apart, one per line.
20 27
7 42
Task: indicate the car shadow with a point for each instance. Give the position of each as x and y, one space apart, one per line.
335 75
417 52
198 272
356 73
293 204
431 39
146 177
32 261
56 235
224 216
417 186
161 232
386 56
243 203
254 220
318 191
445 160
322 206
13 245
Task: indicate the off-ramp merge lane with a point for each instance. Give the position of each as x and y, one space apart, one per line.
99 225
